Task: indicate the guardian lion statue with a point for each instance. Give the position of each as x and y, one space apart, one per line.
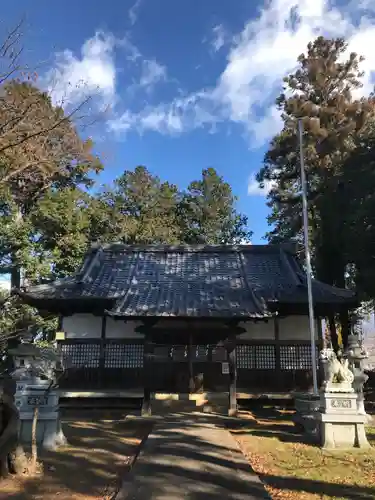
337 375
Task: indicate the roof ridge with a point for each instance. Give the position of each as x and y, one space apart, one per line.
90 265
250 289
189 248
293 273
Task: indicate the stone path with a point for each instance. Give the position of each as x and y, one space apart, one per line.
193 459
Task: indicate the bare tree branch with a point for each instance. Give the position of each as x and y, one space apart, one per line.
43 131
10 52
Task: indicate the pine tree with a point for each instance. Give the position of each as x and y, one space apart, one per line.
207 212
320 93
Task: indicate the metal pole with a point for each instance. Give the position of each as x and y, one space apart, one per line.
308 258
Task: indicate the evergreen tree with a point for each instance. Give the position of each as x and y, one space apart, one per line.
207 212
140 208
320 93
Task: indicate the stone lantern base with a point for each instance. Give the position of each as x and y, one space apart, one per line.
307 405
342 431
49 433
340 424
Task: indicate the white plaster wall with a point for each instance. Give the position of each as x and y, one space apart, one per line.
88 326
82 326
258 331
117 329
290 328
296 328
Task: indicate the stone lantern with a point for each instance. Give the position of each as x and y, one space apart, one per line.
35 375
26 358
356 355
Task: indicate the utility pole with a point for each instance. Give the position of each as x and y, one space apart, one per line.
307 257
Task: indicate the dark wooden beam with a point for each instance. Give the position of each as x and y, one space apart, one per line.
231 349
191 365
147 375
146 326
60 323
276 325
102 350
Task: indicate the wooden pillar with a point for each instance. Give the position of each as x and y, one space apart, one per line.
147 376
321 338
190 361
278 380
232 411
102 353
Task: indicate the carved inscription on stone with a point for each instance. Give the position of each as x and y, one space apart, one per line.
341 403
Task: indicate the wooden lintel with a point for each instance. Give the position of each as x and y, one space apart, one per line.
231 323
146 326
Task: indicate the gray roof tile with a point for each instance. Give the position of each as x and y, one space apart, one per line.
196 281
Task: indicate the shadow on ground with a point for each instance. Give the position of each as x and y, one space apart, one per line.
213 470
273 423
99 453
320 488
192 464
188 460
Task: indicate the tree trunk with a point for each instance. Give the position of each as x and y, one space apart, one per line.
15 278
34 445
15 273
13 458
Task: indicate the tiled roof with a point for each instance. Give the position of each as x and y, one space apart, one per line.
196 281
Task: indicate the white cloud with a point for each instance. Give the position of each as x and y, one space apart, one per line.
152 73
258 59
254 189
220 37
183 113
92 73
134 11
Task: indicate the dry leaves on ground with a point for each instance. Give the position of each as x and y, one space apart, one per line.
89 468
295 470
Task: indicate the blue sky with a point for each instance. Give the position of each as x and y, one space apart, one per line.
190 83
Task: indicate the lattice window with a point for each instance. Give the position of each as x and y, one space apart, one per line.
256 357
81 355
295 357
265 357
123 356
200 353
219 354
245 357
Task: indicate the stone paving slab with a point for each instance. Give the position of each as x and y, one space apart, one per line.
195 459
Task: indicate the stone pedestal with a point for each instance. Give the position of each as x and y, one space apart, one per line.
340 424
49 433
306 406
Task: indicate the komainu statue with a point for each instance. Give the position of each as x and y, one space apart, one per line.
337 375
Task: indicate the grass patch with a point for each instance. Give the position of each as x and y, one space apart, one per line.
293 468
